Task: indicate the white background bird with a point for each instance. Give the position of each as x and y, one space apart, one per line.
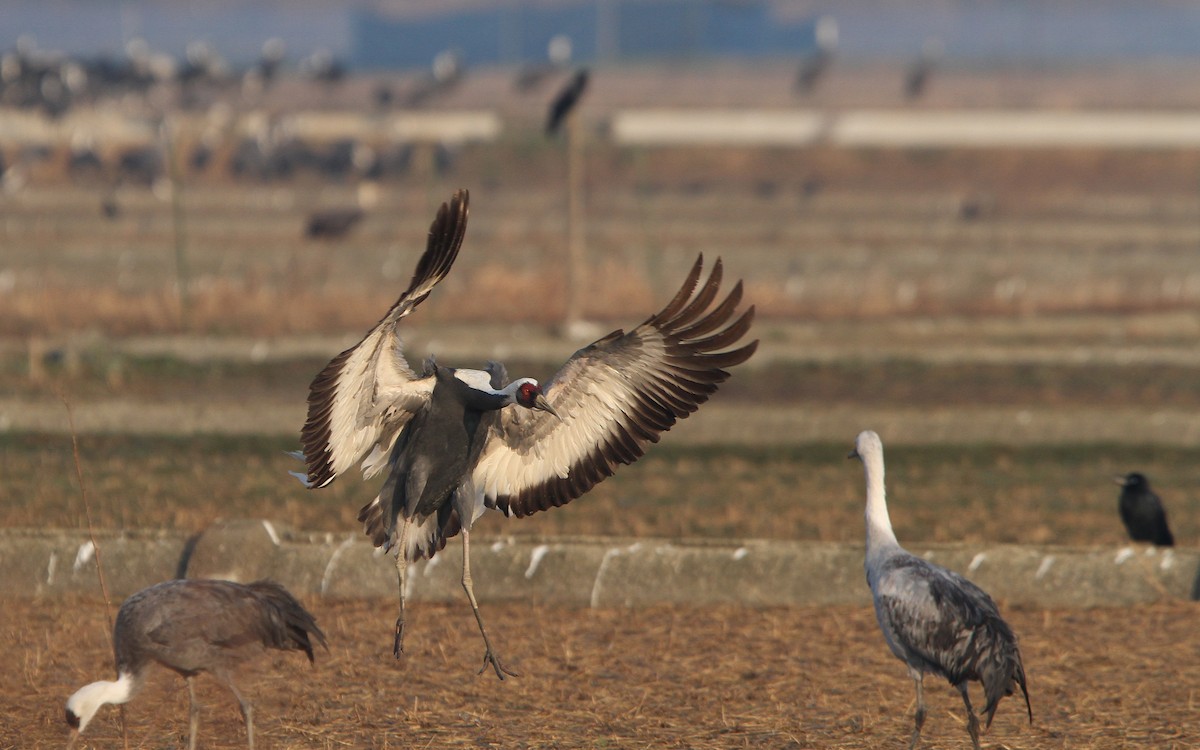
193 626
452 448
933 619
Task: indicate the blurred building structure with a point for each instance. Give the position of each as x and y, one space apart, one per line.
389 34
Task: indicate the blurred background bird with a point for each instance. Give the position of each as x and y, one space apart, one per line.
1142 511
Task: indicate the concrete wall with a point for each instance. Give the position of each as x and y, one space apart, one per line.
597 572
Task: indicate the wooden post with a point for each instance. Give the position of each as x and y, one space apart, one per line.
576 234
174 179
37 359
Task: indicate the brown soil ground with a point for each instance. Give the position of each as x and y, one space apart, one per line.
659 677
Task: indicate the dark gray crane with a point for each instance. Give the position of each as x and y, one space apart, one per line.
814 67
451 447
933 619
193 626
1142 511
916 78
566 100
444 75
332 223
558 56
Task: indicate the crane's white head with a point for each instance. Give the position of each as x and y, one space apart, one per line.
880 536
526 392
866 444
82 706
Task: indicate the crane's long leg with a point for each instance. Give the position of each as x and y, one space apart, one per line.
243 704
972 719
193 714
401 569
919 681
489 657
125 726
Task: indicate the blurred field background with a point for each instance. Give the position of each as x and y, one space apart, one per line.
1018 322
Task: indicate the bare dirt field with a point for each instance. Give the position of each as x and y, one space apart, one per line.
939 493
614 678
1024 322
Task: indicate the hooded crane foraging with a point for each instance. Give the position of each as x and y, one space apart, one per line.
933 619
193 626
451 447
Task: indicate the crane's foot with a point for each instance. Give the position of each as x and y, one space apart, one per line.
490 659
973 729
398 643
919 719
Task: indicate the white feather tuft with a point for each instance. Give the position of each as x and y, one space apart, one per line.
303 478
87 550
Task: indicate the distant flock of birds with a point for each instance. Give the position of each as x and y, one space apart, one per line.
53 82
455 442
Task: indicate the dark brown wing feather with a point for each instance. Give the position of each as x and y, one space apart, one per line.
366 394
614 397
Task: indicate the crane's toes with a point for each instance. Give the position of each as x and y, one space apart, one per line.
490 659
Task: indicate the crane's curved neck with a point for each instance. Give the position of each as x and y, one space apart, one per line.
89 698
880 536
115 692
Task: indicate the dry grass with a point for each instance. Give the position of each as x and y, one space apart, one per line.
939 493
816 234
661 677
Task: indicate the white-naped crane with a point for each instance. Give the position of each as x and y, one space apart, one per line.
916 79
193 626
933 619
452 448
814 67
1142 511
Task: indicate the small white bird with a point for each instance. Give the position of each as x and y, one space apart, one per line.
934 620
193 626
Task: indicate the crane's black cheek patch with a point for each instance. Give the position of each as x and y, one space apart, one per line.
72 719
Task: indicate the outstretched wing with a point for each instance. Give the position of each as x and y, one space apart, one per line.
612 398
366 394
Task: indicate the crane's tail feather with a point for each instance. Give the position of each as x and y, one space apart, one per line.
1001 676
287 625
424 541
1025 692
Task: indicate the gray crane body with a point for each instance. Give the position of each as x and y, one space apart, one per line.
933 619
432 456
192 626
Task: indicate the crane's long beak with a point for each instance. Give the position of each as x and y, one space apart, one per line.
540 402
74 738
